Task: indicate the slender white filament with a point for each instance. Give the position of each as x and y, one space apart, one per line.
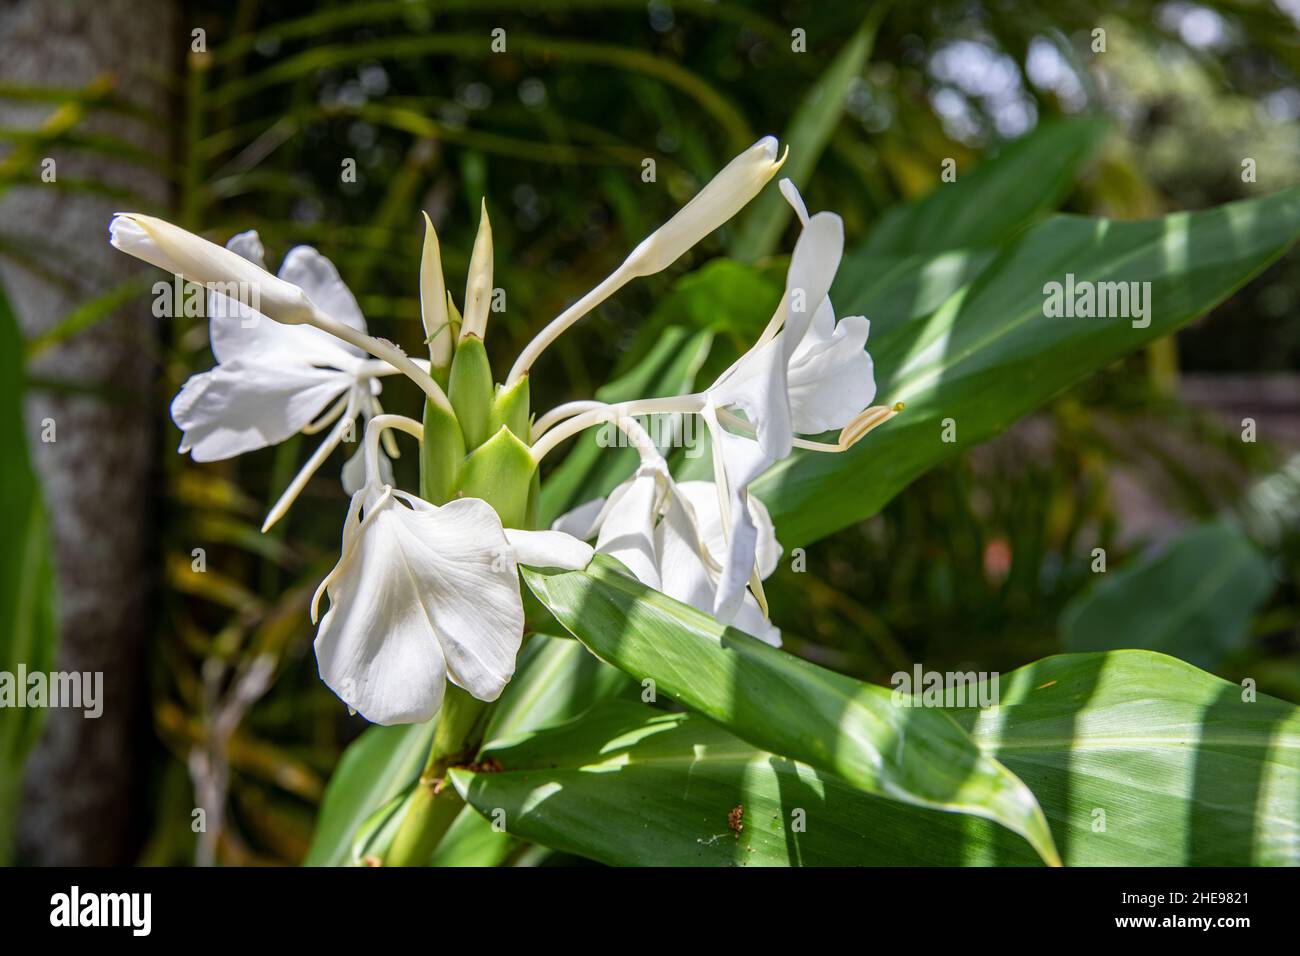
686 404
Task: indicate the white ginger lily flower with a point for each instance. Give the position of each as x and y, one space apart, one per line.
670 536
806 374
286 346
274 380
423 594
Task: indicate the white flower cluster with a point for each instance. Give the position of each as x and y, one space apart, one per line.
425 592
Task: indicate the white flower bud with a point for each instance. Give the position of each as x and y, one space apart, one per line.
433 299
478 286
724 196
180 252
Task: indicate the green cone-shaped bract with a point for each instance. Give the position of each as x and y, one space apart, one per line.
510 408
442 453
500 471
470 390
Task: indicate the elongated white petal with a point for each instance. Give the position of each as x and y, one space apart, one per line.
703 499
238 407
421 594
181 252
237 331
738 462
549 549
831 377
735 185
687 577
757 387
317 276
627 530
816 258
791 194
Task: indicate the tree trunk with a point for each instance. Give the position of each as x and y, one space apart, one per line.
96 476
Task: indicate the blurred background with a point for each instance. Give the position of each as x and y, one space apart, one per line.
124 557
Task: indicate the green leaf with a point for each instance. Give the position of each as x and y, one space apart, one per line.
374 771
1185 773
1192 599
28 626
807 135
557 679
995 200
786 705
891 290
989 355
628 785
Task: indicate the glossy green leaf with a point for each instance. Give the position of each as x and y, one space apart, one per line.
1138 759
996 199
1185 768
1193 599
989 355
784 704
628 785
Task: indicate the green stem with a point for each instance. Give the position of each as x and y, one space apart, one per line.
435 804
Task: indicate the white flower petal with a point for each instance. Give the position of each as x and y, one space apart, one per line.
737 462
469 584
248 244
238 332
374 646
703 499
238 407
419 585
685 575
627 531
791 194
317 276
831 376
549 549
816 257
353 475
757 387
